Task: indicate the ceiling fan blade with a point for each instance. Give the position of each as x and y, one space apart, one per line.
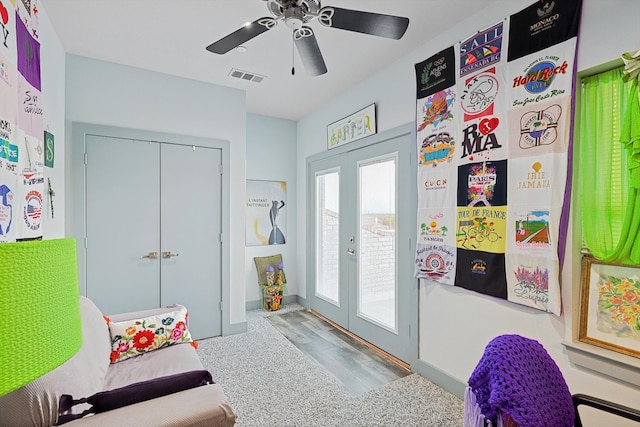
376 24
310 53
242 35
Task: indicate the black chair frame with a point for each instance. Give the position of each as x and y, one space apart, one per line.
603 405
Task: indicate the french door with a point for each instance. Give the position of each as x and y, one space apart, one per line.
363 213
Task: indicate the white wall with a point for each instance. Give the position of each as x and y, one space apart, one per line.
393 91
109 94
456 324
52 65
271 156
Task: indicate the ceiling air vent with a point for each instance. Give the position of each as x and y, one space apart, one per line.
244 75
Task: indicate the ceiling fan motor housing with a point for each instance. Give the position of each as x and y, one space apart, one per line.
281 9
293 18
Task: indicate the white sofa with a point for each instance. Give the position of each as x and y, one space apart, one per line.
90 371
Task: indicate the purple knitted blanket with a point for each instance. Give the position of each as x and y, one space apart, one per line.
516 376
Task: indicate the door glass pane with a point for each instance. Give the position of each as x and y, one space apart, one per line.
377 242
328 236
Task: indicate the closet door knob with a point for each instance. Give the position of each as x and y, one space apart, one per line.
168 255
151 255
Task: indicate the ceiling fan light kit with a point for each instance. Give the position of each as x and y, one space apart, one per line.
293 18
296 13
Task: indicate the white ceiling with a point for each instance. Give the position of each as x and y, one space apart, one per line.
170 36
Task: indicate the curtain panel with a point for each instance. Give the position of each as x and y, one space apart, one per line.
609 130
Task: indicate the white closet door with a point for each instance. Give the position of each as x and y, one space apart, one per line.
191 185
122 223
153 224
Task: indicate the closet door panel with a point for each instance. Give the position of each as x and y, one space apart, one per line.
191 223
122 202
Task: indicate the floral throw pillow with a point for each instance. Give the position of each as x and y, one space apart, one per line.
134 337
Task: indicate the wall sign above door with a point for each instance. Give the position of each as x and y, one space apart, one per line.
351 128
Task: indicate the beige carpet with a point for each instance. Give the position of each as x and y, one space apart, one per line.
270 382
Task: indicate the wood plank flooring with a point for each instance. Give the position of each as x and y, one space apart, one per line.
359 367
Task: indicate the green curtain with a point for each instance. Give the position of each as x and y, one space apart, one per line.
609 158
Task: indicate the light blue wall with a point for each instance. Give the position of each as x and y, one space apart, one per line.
52 64
456 324
271 156
104 93
393 92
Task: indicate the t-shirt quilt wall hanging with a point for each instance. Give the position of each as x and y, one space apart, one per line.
494 129
21 122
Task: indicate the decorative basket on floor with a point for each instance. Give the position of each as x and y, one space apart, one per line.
272 280
272 297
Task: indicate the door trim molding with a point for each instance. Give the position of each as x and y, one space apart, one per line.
76 187
406 129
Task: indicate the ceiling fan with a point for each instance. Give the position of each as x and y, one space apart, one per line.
297 13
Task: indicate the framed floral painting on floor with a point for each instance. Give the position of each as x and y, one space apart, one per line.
610 306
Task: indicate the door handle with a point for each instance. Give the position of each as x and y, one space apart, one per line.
151 255
351 251
168 254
